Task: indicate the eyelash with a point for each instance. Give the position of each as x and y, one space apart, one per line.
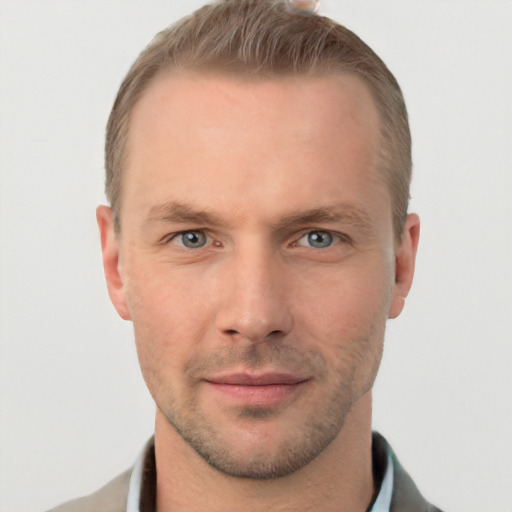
335 237
321 233
168 239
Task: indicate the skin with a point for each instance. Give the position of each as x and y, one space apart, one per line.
256 239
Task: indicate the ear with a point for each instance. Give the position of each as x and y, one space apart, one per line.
405 259
110 252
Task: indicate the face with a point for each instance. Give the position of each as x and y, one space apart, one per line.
257 262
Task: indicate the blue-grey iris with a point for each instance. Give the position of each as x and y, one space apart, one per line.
193 239
320 239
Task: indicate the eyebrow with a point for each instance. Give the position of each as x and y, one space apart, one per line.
346 213
183 213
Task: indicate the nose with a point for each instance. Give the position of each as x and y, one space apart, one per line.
254 306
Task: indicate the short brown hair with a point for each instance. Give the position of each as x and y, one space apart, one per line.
262 38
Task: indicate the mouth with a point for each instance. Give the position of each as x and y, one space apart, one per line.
256 389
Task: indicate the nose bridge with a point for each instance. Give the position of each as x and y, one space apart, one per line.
254 305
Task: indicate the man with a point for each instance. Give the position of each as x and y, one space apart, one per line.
258 169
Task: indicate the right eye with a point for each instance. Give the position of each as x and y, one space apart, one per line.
190 239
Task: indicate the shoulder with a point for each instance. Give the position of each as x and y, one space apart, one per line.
406 496
110 498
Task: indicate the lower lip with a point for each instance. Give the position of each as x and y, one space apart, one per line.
263 396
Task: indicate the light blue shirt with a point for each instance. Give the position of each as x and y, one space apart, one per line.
383 501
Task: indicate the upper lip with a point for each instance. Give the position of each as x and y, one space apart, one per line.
257 379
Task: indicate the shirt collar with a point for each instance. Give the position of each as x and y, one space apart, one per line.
142 487
383 501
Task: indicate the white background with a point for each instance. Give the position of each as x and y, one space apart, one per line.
74 410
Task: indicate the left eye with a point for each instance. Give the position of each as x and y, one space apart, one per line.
191 239
316 239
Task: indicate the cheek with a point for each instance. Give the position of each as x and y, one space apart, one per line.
348 301
169 321
163 301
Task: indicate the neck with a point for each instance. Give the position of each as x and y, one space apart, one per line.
339 478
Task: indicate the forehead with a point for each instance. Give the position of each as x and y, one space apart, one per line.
176 102
231 135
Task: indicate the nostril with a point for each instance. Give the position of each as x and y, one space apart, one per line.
275 335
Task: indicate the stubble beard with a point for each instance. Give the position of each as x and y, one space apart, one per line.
303 441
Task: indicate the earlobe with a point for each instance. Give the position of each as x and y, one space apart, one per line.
405 260
110 254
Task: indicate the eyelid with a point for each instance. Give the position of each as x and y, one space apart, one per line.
337 236
169 237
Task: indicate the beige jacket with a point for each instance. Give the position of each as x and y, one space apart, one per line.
113 497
